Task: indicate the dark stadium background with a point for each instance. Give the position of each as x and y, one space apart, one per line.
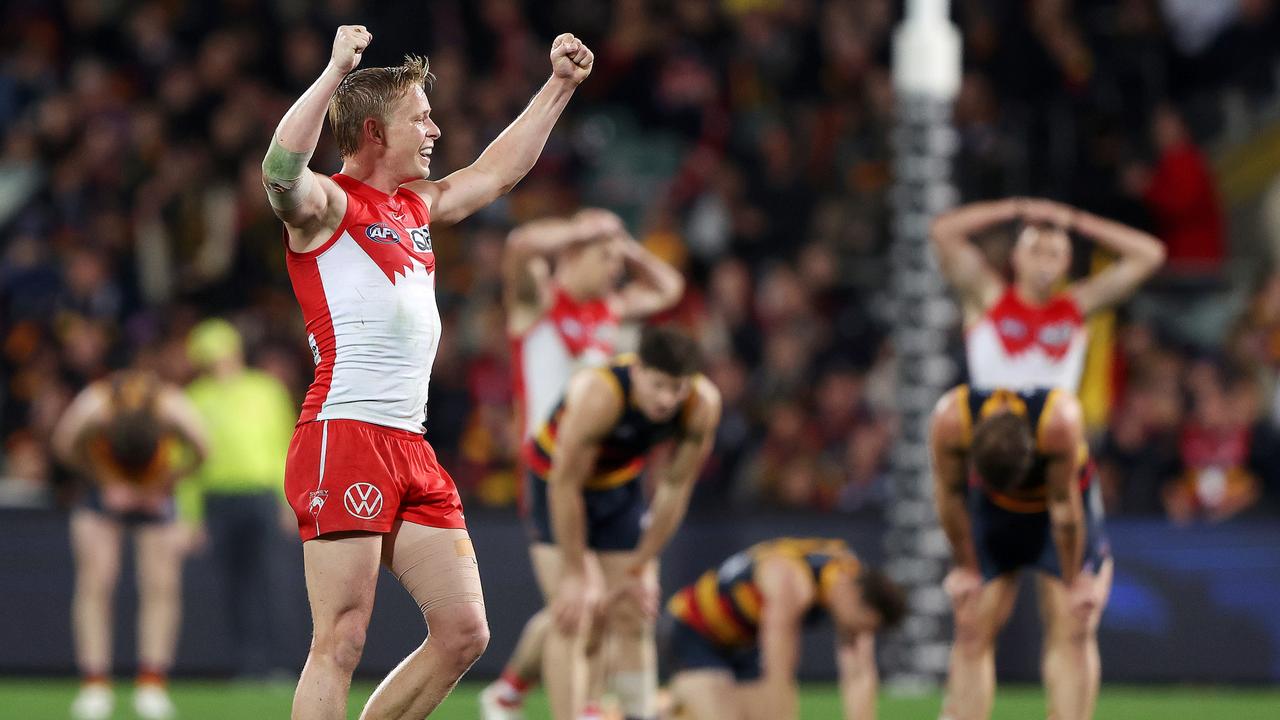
748 142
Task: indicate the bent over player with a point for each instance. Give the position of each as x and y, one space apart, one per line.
592 536
735 632
125 435
1030 332
1013 492
363 481
563 300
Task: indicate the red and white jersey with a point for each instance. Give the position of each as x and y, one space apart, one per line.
1020 346
368 298
569 335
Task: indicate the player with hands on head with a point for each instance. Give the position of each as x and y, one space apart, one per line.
1031 332
565 298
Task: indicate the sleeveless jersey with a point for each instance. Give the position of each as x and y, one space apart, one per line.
368 299
724 605
1018 345
625 450
570 335
133 399
1034 407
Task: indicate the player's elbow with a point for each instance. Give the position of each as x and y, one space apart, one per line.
1154 255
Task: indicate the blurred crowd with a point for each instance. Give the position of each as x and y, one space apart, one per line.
748 142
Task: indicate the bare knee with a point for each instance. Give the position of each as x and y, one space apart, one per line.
973 639
462 640
342 642
97 580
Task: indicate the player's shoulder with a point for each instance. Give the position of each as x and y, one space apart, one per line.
596 387
1061 422
950 421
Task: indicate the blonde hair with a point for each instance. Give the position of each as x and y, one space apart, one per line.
370 93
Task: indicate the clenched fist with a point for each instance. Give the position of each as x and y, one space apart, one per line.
570 58
348 46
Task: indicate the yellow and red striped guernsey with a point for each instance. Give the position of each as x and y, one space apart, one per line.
1035 407
624 451
724 604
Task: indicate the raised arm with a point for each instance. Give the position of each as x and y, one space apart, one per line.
310 203
788 591
516 149
1140 256
961 261
654 285
1061 439
675 486
592 405
525 266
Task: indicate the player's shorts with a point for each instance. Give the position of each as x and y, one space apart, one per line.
615 517
1006 541
690 650
92 500
347 475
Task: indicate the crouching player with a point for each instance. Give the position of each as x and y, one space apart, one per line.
735 633
592 536
1013 491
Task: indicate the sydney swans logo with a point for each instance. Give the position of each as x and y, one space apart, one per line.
363 501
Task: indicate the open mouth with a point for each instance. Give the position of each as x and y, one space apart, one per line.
425 153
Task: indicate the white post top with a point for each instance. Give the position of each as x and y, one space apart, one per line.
928 9
926 51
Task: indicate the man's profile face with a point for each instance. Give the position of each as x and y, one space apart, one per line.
410 135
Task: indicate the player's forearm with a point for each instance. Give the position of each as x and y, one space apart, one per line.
568 523
512 154
859 683
954 517
284 168
670 503
543 237
1067 526
299 129
665 281
967 220
1130 243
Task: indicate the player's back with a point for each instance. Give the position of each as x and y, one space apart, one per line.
571 334
368 298
133 444
724 604
1019 345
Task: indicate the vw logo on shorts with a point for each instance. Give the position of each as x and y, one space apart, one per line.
363 501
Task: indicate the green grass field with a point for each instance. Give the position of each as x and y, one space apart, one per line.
49 699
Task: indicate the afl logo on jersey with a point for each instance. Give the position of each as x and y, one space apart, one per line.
380 233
